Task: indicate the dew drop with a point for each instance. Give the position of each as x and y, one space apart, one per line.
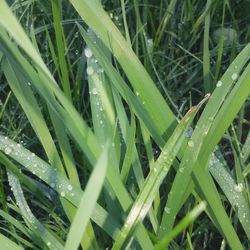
48 243
70 187
167 210
94 91
87 52
234 76
7 150
90 71
62 194
238 188
219 83
190 143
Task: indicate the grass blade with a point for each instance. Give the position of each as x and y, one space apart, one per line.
8 244
88 201
154 180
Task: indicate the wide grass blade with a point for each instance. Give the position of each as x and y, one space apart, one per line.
7 244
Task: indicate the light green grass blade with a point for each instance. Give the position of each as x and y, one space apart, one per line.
190 217
7 244
30 219
150 188
99 21
88 201
246 148
73 121
236 193
60 39
121 86
211 112
55 180
10 23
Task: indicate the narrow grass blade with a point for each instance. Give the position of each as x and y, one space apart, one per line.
190 217
60 39
56 181
99 21
203 135
72 120
88 201
43 234
234 192
154 180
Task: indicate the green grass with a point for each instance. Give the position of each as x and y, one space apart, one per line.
124 125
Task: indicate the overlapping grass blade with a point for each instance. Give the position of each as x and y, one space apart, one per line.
60 41
235 193
211 112
154 180
88 201
30 219
190 217
55 180
71 119
99 21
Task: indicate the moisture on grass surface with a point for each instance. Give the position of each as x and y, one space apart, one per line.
124 124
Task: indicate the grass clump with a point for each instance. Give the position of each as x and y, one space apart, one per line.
124 124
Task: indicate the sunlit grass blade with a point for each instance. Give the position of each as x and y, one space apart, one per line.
144 200
99 21
8 244
71 119
121 86
88 201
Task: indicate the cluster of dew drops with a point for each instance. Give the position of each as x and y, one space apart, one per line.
94 68
37 167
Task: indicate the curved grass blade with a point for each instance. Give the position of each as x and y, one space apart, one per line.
205 123
43 234
99 21
121 86
26 98
55 180
81 133
150 188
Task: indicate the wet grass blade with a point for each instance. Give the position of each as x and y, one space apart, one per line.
190 217
30 219
150 188
88 201
55 180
